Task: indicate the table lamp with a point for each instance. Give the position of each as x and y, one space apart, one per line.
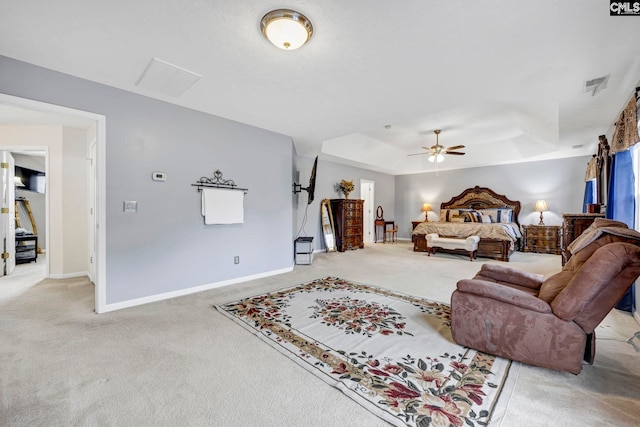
426 208
541 206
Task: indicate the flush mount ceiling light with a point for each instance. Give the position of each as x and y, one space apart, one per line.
286 29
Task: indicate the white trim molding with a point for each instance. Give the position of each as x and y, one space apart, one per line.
182 292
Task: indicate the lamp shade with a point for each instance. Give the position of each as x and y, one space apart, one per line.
541 206
286 29
426 208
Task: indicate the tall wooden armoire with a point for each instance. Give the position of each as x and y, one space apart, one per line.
347 219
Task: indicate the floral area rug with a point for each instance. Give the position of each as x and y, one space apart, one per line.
391 353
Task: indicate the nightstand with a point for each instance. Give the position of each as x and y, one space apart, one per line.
414 224
543 239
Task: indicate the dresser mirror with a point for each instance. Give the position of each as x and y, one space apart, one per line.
328 231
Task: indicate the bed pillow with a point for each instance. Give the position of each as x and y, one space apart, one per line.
447 214
486 219
473 216
499 215
505 216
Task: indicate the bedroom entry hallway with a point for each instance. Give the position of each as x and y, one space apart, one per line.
73 141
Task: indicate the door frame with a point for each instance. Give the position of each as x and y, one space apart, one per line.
368 230
8 222
92 223
100 282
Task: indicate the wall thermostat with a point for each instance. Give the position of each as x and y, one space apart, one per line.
159 176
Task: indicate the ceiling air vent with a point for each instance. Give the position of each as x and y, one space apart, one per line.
167 79
596 85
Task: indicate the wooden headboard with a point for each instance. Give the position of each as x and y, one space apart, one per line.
482 198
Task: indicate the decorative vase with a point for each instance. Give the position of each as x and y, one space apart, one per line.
346 187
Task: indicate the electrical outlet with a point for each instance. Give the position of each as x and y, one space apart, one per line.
236 260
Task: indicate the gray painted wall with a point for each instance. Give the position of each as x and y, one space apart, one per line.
328 175
165 246
559 182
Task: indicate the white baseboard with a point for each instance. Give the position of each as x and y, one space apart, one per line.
188 291
68 275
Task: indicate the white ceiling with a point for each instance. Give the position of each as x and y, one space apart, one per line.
505 78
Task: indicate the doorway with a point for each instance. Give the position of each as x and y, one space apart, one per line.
49 114
367 193
30 203
7 212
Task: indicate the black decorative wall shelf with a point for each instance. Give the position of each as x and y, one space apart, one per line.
217 181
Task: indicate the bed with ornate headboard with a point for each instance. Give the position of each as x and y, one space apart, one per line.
477 211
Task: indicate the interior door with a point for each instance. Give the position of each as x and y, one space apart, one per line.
367 194
8 213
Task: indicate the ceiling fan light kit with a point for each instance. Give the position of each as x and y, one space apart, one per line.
437 151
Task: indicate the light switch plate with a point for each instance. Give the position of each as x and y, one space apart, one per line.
130 206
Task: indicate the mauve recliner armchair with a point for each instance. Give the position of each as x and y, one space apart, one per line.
548 323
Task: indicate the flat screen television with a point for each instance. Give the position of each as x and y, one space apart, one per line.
297 188
29 179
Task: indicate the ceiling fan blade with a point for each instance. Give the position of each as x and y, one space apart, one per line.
455 147
454 152
417 154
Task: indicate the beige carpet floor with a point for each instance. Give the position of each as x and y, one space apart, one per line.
181 363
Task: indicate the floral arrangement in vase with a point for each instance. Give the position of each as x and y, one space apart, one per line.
346 187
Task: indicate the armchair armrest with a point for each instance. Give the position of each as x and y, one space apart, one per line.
511 275
504 294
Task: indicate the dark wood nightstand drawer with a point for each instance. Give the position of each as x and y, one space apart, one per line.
541 239
543 232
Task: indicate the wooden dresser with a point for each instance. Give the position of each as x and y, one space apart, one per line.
543 239
347 219
572 226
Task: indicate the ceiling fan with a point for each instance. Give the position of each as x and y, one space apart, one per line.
436 151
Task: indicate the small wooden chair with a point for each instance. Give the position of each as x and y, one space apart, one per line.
392 234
